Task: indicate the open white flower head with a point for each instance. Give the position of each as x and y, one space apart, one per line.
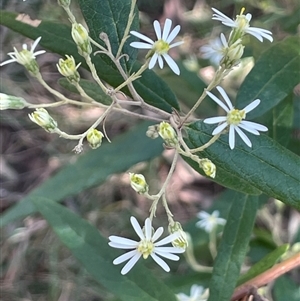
160 47
197 293
241 24
234 119
25 56
148 245
209 221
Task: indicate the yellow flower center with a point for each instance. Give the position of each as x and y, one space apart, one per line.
161 47
235 116
145 247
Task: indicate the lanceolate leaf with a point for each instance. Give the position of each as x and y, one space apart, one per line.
92 250
266 166
57 38
272 78
233 247
91 169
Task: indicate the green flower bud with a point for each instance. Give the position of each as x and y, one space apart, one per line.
68 69
12 102
42 118
138 183
182 240
208 167
168 133
64 3
81 38
94 138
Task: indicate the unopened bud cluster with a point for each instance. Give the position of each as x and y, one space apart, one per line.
94 138
81 38
208 167
168 134
138 183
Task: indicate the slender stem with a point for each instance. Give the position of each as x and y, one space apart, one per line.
85 96
126 31
266 277
70 15
206 145
213 242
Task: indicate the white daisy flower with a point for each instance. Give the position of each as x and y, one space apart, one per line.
197 293
234 119
215 49
160 47
148 245
241 23
25 56
209 221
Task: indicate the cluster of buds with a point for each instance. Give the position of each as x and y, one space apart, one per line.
68 69
81 38
42 118
12 102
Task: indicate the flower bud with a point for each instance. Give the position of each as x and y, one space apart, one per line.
81 38
138 183
182 240
94 138
208 167
42 118
152 131
168 133
64 3
68 69
235 52
12 102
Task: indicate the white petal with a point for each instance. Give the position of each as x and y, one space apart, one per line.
160 262
223 40
254 126
153 61
121 246
171 64
35 43
252 105
243 136
142 37
168 255
216 213
173 34
218 101
128 266
251 130
137 228
122 240
167 28
148 228
166 240
169 250
225 96
8 62
140 45
157 234
125 257
219 14
157 29
160 62
203 214
219 128
231 136
213 120
176 44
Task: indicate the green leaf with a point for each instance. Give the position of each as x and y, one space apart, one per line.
111 17
90 169
233 247
285 289
267 166
272 78
92 250
90 88
57 38
267 262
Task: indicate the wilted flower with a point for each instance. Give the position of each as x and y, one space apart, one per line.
148 245
234 119
26 57
241 25
159 49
